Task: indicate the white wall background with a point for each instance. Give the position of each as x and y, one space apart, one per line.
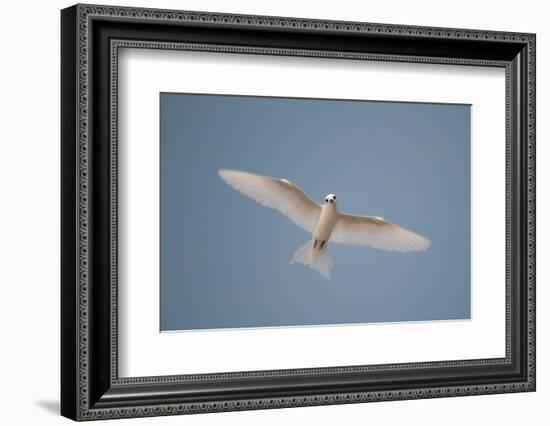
29 212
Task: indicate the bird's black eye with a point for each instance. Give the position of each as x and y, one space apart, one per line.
334 197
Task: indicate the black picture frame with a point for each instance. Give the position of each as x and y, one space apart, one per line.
90 386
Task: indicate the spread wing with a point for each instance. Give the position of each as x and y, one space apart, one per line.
279 194
376 232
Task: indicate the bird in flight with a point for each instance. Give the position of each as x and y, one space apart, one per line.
324 222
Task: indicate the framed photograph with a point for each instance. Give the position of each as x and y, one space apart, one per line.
263 212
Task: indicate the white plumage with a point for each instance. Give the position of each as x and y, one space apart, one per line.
324 222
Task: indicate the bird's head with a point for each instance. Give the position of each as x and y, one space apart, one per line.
330 199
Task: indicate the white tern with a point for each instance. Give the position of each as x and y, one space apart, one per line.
324 222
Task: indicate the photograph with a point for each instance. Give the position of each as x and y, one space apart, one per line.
280 212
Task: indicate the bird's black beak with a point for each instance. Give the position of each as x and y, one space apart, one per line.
331 201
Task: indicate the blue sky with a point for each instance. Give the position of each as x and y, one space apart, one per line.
225 259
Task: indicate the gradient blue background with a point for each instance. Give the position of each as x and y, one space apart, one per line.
225 259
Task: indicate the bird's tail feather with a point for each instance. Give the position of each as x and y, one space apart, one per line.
314 258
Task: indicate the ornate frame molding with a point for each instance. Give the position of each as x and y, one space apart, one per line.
79 21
